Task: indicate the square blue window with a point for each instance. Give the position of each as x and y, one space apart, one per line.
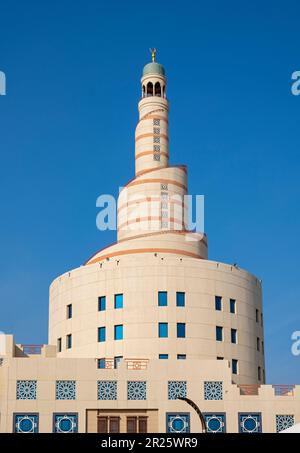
119 332
69 341
65 423
26 423
101 303
180 299
136 390
215 422
219 333
26 390
162 298
101 364
107 390
180 330
65 390
233 336
163 330
218 303
178 422
101 334
118 300
163 356
232 305
234 366
181 356
176 389
250 423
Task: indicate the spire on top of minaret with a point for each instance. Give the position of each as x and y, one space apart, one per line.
153 54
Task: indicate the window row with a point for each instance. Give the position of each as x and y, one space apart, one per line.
219 304
108 390
163 330
118 303
216 422
176 422
162 301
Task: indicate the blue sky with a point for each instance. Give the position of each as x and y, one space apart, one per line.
73 72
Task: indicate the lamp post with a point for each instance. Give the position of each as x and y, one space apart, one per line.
196 408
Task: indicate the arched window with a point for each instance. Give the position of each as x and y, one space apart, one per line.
150 89
157 89
144 91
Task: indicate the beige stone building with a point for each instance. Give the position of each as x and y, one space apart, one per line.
148 335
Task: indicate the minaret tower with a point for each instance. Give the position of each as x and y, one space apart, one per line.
152 209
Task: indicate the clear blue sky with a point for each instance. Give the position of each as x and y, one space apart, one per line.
73 70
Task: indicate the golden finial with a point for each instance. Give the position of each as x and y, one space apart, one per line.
153 53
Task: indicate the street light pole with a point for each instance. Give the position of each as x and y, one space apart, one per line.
196 408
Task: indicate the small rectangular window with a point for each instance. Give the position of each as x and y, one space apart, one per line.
257 344
118 300
114 424
101 334
102 424
180 330
259 373
219 333
163 356
163 330
262 347
261 319
119 332
59 345
180 299
220 358
101 303
256 315
69 311
232 305
117 360
143 425
69 341
101 364
233 336
234 366
131 424
218 303
162 298
181 356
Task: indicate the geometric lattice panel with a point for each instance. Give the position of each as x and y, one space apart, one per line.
136 390
176 389
65 423
250 423
26 390
215 422
213 390
107 390
26 423
178 422
65 390
284 422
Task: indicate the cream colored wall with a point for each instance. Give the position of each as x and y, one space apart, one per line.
47 370
140 278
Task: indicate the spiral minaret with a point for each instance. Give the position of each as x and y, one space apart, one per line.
152 209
